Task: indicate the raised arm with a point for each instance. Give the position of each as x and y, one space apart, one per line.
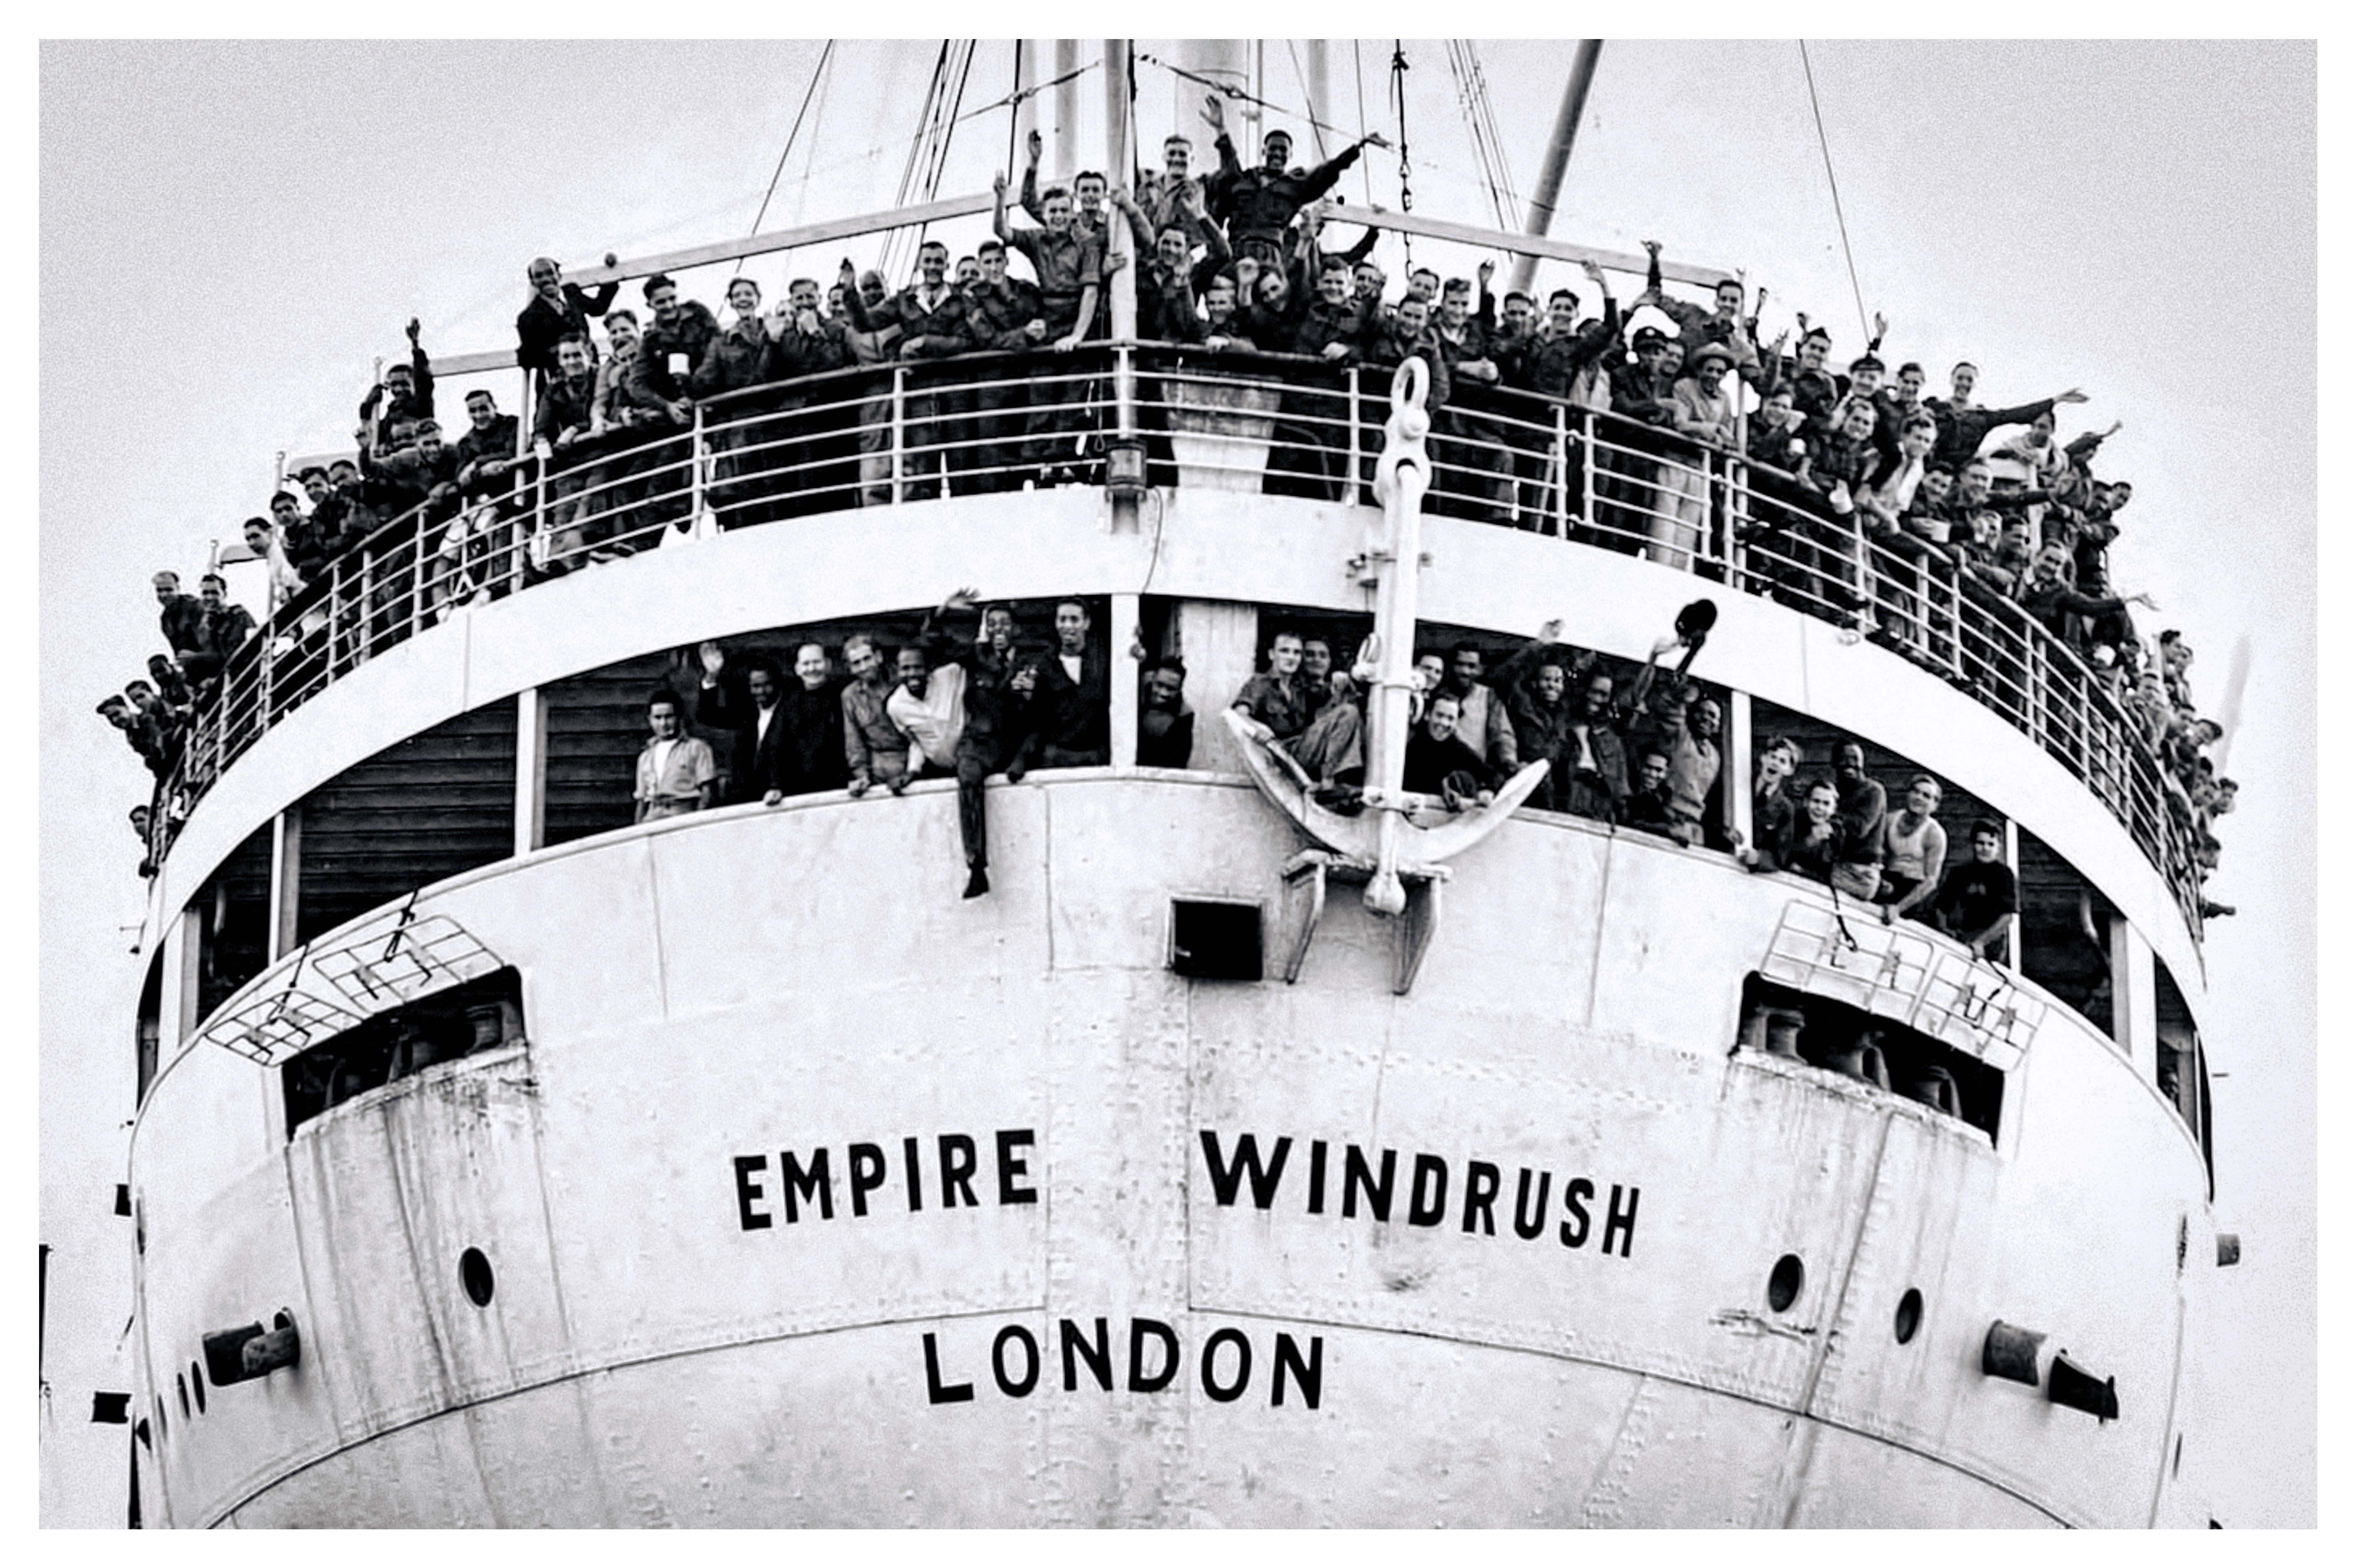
1525 659
1138 225
1031 179
998 209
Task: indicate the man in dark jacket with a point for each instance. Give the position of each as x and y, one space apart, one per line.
485 455
1006 316
1773 818
1073 698
183 615
934 322
2055 604
1594 754
669 349
556 311
1964 424
566 404
222 630
809 754
405 396
1310 455
741 702
1258 205
743 356
1165 727
1535 683
998 720
1439 764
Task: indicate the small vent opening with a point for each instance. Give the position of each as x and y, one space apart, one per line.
1214 942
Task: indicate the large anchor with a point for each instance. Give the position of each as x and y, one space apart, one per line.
1398 843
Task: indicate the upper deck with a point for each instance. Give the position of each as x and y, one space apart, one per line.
1551 492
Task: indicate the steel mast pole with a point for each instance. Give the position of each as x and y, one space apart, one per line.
1026 108
1120 171
1317 66
1063 147
1558 157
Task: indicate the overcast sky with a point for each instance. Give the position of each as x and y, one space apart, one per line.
231 234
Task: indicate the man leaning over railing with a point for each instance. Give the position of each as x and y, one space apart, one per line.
669 349
563 433
1569 363
934 323
1007 316
1070 268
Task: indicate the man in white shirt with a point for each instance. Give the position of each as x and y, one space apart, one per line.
676 772
929 707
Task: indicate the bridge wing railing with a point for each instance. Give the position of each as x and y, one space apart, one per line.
894 434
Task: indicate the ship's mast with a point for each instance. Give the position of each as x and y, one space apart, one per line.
1120 170
1558 155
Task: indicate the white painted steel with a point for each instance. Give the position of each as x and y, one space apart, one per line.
1243 550
711 990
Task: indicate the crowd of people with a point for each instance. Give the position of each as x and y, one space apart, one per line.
1646 756
968 704
1872 502
949 703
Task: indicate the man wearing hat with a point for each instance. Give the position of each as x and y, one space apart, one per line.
1642 390
1258 205
1700 410
1725 323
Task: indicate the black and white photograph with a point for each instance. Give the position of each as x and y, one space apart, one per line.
1253 783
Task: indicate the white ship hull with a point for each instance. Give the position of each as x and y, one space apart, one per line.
666 1343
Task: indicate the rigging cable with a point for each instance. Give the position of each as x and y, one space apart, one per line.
1316 126
816 70
946 133
1864 328
1238 95
1014 100
1399 100
810 156
1496 137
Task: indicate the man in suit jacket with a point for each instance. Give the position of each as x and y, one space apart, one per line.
808 751
745 707
1073 700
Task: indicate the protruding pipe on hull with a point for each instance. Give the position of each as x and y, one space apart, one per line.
1558 155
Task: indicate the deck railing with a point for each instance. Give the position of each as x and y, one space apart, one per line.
890 434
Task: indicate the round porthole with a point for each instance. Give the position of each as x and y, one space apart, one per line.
1784 1282
474 1275
1910 1316
197 1382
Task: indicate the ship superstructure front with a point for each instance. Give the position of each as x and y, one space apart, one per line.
769 1182
802 1191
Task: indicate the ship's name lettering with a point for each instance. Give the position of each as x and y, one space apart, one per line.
802 1186
1225 1363
1244 1171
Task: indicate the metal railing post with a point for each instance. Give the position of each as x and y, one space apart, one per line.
1561 465
1350 489
1124 390
899 433
335 614
539 510
417 575
696 442
1589 458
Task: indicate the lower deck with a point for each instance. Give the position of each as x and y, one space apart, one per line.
1540 1241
